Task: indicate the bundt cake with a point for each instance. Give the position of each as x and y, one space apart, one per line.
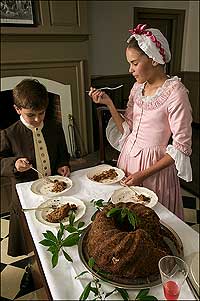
122 251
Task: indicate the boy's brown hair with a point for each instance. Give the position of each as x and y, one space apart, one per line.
30 94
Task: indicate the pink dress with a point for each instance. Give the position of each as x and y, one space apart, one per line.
149 124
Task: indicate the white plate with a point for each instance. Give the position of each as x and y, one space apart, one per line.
62 200
126 195
41 187
194 271
99 169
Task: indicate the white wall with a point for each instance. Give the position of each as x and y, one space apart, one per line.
190 62
109 22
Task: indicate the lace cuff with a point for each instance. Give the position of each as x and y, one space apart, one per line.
114 136
182 163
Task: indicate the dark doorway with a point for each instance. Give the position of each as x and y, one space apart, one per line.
171 24
8 115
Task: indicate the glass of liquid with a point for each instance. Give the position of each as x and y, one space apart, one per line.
173 271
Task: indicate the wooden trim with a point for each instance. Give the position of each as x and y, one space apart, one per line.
191 82
44 37
100 77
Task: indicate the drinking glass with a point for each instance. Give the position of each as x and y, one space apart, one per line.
173 271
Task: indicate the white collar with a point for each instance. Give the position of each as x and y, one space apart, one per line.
30 126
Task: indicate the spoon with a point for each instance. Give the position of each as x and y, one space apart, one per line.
44 177
39 208
108 88
130 188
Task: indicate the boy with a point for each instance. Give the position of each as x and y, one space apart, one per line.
31 141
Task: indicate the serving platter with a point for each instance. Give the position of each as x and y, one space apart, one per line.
125 195
96 171
172 240
42 187
194 272
62 200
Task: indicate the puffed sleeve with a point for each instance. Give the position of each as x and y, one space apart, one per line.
180 119
182 163
113 135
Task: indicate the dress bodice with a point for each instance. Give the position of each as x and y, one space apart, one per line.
152 120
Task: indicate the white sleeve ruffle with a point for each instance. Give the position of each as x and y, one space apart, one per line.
114 136
182 163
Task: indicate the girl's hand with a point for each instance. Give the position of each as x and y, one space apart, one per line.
22 164
135 179
64 171
99 97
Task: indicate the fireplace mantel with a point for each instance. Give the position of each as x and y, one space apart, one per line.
63 91
69 77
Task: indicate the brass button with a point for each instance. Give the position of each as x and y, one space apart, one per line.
44 161
45 167
42 154
39 141
38 135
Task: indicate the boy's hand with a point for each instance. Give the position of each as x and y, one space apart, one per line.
22 164
64 171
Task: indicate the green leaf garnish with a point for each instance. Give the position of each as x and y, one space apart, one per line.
71 240
113 211
55 259
56 243
80 225
71 228
121 213
60 232
67 256
110 293
123 293
81 274
53 249
49 235
46 242
132 219
71 218
124 212
94 290
91 262
148 298
142 293
85 292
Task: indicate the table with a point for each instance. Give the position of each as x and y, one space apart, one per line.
61 279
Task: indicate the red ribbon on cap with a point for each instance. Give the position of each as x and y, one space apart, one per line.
141 29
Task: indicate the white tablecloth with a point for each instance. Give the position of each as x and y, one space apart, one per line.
61 279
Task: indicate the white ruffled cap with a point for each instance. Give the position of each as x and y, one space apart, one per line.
150 48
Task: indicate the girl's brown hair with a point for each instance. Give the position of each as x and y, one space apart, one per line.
30 94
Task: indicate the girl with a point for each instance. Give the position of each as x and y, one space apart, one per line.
158 107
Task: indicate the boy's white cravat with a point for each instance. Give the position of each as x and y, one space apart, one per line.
41 153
